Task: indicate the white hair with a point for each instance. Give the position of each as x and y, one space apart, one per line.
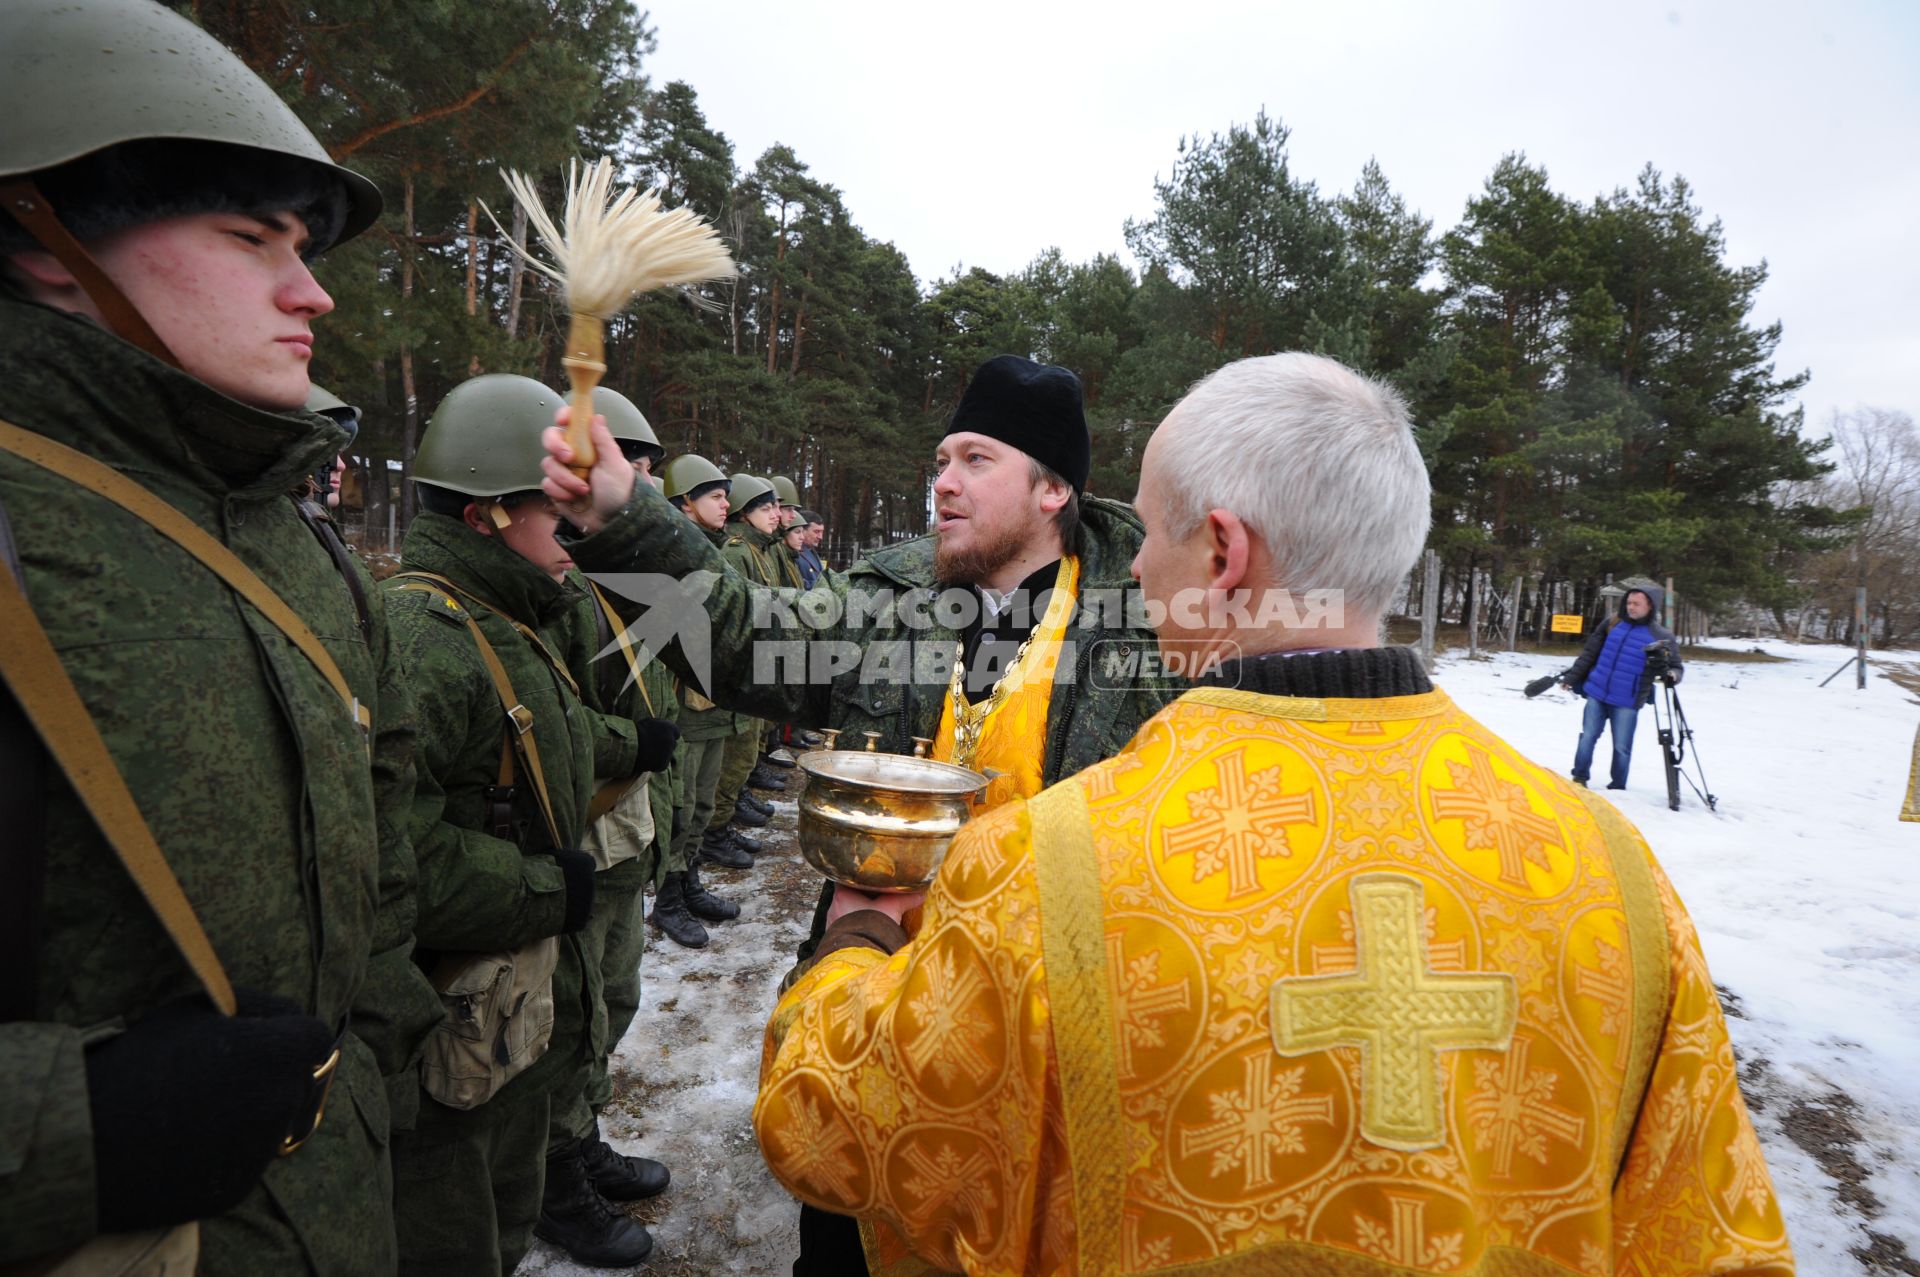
1317 459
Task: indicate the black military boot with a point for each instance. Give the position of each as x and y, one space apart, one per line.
718 849
756 802
746 815
745 842
621 1177
702 903
765 777
671 916
574 1217
779 756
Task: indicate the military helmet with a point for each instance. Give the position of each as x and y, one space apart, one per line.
330 405
484 438
684 474
625 421
784 489
85 75
748 491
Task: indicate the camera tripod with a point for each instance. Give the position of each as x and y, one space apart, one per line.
1676 738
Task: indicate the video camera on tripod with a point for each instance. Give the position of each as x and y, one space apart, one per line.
1670 721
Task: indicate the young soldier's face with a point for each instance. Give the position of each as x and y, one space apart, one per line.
764 518
709 509
229 295
529 533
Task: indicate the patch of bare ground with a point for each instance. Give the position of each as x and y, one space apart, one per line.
1826 1128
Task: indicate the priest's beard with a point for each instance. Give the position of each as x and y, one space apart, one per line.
976 563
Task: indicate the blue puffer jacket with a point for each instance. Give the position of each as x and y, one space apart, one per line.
1613 664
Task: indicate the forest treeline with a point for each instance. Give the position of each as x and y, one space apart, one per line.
1594 391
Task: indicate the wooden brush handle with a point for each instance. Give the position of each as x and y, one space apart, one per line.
585 363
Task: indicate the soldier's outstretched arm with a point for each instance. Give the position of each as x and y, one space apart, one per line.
645 536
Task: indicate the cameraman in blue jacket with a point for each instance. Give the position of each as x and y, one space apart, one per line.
1615 673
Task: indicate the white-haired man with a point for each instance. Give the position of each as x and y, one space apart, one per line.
1317 975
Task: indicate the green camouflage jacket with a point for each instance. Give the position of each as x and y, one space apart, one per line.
478 892
754 554
775 651
252 776
603 677
699 718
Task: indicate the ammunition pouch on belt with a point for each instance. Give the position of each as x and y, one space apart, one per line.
499 1021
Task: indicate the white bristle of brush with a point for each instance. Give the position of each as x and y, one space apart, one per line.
617 244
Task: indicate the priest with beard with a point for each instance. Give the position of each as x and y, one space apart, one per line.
1012 638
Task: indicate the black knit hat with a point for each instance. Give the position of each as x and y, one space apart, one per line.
1033 407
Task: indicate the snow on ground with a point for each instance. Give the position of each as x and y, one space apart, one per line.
1804 886
1806 892
685 1074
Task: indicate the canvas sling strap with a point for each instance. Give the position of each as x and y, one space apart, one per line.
517 739
104 481
51 702
612 629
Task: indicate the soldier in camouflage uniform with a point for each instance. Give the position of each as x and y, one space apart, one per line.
130 1105
683 902
470 1182
624 844
750 549
697 489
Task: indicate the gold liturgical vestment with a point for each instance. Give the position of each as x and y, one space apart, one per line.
1287 986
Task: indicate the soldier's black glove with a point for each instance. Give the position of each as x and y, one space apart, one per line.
577 868
190 1106
657 737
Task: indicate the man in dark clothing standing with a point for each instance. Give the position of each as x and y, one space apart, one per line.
1615 673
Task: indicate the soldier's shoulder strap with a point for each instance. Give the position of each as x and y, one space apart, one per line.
104 481
336 547
516 733
23 814
50 704
611 629
475 601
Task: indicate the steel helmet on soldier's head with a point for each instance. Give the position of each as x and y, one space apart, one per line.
784 489
484 438
81 77
625 422
748 490
684 474
328 404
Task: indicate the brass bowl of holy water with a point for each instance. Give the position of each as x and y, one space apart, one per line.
882 822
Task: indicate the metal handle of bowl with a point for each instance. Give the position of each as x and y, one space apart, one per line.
832 735
922 746
992 774
873 741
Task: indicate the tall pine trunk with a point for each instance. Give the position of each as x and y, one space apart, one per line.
409 393
473 273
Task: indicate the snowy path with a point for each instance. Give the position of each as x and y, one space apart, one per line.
685 1075
1805 888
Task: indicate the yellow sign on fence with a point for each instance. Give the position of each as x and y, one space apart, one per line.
1563 624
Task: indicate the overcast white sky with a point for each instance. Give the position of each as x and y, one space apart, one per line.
982 133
